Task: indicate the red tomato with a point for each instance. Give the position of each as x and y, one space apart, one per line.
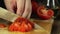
29 26
43 13
22 25
2 25
34 6
14 26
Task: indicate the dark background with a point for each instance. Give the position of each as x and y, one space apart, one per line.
2 4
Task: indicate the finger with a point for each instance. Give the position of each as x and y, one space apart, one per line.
27 8
29 15
20 7
9 5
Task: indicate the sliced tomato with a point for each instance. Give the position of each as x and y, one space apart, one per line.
2 25
50 12
22 25
29 26
14 26
43 13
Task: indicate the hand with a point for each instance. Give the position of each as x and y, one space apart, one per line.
23 7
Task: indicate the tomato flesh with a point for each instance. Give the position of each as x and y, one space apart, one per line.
2 25
22 25
45 14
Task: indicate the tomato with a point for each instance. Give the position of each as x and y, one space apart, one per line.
2 25
22 25
43 13
14 26
34 6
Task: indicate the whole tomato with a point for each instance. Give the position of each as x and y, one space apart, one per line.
34 5
22 25
45 14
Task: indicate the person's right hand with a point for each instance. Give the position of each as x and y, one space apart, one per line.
22 7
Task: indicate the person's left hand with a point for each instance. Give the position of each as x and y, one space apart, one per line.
23 7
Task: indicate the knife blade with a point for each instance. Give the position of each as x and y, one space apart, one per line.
8 15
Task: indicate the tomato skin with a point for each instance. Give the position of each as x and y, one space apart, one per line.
14 27
23 25
30 27
2 25
50 12
34 6
45 16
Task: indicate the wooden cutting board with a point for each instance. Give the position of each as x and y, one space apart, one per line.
44 27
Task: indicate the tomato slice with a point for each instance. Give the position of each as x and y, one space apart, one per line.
2 25
50 12
43 13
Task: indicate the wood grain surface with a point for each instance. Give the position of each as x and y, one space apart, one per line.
45 27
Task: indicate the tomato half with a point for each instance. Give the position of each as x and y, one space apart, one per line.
45 14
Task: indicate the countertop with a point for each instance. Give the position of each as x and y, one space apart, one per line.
45 27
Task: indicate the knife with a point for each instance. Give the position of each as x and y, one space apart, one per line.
8 15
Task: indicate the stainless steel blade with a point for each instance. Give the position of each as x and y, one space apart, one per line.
7 15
